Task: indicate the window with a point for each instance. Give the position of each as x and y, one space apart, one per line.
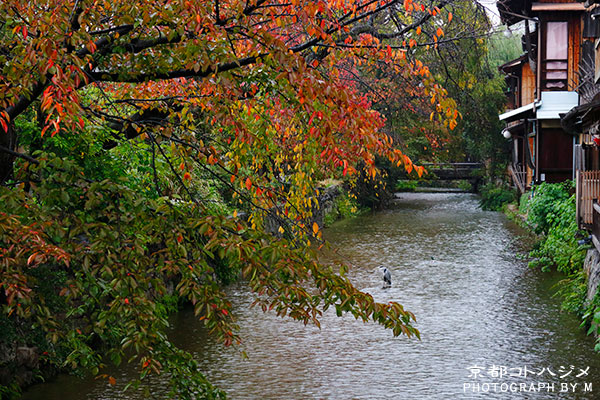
554 73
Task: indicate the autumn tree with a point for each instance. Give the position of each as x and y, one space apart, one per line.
119 120
465 63
462 58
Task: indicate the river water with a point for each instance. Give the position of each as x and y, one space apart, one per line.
490 327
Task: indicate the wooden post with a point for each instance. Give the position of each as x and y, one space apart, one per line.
578 198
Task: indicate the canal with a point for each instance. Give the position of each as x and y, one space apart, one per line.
490 326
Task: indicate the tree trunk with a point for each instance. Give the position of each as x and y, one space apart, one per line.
8 141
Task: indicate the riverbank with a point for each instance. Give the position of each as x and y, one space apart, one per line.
550 215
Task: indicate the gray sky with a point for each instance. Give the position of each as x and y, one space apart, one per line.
490 5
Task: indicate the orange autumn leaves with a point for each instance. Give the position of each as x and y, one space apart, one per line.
208 67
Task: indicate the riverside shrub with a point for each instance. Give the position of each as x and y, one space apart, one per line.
546 207
494 197
552 211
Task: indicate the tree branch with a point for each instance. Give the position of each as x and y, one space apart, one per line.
105 76
17 154
25 101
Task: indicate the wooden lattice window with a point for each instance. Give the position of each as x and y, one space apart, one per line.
556 52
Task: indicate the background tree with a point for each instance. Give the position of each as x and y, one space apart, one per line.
467 67
462 56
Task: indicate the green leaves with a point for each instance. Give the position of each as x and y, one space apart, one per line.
551 211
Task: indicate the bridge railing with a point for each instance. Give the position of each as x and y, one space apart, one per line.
465 165
453 171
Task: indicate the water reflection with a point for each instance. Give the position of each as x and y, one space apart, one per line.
453 265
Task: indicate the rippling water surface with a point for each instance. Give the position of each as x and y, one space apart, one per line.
453 265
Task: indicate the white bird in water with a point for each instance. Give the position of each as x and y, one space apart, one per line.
387 276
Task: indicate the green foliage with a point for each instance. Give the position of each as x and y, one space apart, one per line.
493 197
503 49
404 185
89 266
92 269
343 207
10 392
524 203
573 290
551 211
547 206
465 185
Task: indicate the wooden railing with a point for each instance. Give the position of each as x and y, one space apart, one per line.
454 171
587 191
519 177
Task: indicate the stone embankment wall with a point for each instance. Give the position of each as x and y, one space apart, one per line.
18 364
591 266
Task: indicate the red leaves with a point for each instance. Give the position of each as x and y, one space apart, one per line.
91 46
248 183
54 123
4 124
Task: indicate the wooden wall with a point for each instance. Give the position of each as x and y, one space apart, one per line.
527 85
574 51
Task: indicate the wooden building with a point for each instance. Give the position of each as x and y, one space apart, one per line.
584 121
543 85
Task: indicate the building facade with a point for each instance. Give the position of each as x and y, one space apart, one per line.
543 84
